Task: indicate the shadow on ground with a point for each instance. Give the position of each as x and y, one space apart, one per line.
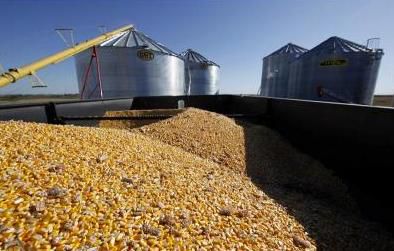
310 192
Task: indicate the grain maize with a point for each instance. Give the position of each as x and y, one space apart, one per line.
121 124
310 192
88 205
256 150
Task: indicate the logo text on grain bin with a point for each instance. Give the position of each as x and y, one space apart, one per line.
333 62
145 55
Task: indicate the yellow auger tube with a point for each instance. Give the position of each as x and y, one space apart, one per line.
14 74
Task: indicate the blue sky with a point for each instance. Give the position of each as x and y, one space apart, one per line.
235 34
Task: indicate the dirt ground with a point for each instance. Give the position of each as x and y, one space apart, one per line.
29 99
383 100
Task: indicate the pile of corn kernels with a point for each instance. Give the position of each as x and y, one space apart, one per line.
255 150
134 123
206 134
309 192
76 188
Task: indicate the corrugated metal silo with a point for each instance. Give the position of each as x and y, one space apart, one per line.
274 79
336 70
201 74
131 64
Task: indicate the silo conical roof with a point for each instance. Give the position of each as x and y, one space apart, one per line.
192 56
133 38
341 45
289 49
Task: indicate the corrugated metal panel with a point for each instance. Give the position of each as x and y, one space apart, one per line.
336 70
201 74
274 80
338 44
289 48
131 65
192 56
136 39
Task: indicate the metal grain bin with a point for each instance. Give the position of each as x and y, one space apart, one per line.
336 70
201 74
274 79
131 64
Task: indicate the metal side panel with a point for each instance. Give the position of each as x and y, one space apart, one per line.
351 123
93 108
27 113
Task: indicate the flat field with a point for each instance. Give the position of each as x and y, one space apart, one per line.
383 100
29 99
